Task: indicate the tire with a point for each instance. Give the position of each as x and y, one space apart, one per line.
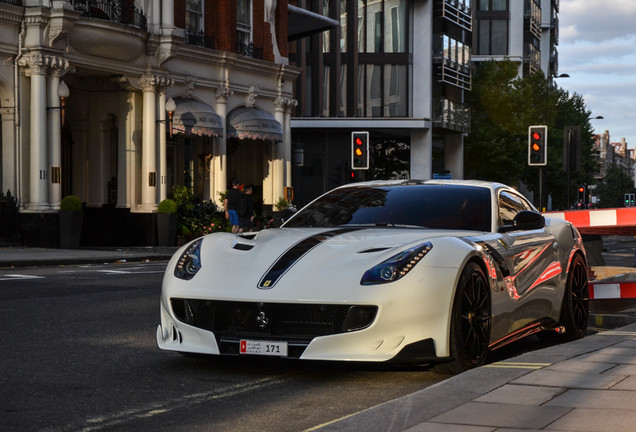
470 322
575 309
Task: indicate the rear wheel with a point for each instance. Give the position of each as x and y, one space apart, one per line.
575 309
470 322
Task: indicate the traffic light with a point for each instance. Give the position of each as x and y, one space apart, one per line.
537 145
581 194
359 150
630 200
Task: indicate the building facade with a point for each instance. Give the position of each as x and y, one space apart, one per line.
612 153
117 101
398 69
523 31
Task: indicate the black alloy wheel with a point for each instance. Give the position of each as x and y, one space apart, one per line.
470 322
575 309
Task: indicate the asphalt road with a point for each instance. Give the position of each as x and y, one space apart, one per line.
79 353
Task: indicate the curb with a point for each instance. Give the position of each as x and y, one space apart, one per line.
610 321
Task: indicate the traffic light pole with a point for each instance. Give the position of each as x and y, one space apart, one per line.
541 189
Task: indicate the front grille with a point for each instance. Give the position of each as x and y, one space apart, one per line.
289 322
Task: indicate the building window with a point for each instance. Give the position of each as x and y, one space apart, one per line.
244 23
376 84
493 5
194 16
493 37
492 18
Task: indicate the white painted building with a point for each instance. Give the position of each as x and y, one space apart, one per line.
84 91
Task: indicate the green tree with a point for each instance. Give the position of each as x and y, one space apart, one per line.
615 184
503 106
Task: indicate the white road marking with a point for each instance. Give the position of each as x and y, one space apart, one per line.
13 277
127 416
128 272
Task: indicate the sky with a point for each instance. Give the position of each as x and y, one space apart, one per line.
597 48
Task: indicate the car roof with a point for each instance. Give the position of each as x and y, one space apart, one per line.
475 183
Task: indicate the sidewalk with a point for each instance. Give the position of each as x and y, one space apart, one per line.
585 385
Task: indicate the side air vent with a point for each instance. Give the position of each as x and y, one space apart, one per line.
378 249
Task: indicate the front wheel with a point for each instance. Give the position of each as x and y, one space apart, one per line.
470 322
575 309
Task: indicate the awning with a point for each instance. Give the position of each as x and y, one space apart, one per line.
303 22
192 117
252 123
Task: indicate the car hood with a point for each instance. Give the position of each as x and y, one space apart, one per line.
289 260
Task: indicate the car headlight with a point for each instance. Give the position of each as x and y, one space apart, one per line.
397 266
189 262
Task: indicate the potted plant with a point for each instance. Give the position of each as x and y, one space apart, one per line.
284 210
71 220
167 223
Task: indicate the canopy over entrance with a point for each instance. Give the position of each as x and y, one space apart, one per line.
302 22
252 123
192 117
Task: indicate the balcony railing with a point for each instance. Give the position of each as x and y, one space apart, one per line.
459 12
249 50
451 115
12 2
199 39
119 11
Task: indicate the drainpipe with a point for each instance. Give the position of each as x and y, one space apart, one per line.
16 116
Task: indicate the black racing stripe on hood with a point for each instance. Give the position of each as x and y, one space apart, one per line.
295 253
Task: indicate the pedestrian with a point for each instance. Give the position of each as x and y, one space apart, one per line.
245 209
231 203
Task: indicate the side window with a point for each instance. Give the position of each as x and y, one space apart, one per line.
244 23
509 205
194 16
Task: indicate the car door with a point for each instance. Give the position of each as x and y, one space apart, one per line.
531 261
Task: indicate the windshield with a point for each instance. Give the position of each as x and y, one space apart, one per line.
429 206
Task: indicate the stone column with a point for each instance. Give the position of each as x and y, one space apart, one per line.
57 66
8 155
219 158
289 106
278 152
162 182
167 16
36 69
149 146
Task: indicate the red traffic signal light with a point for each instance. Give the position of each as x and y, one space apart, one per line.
537 145
359 150
582 195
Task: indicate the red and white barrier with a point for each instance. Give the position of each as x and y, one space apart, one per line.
612 290
616 221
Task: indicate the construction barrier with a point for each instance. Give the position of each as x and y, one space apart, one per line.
615 221
600 290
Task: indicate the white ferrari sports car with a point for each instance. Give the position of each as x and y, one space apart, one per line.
421 271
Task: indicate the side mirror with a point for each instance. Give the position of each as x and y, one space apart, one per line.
525 220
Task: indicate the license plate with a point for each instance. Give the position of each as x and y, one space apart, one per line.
267 348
